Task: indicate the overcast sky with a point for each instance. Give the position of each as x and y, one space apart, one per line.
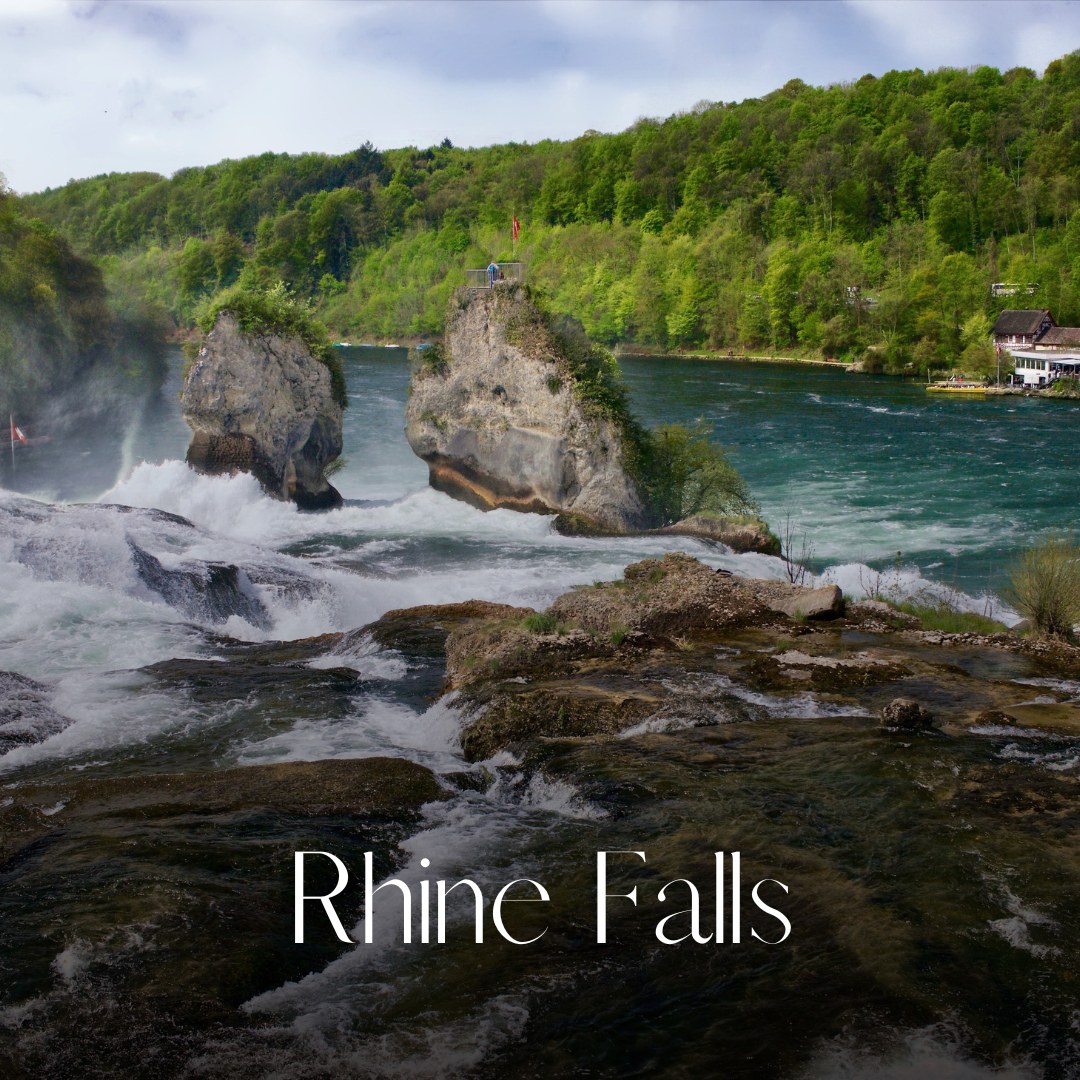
123 85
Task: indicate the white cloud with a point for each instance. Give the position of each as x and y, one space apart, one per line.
961 33
153 85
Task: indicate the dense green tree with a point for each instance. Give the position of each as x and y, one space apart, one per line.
859 219
56 323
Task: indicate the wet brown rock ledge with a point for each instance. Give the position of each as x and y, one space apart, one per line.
675 644
192 874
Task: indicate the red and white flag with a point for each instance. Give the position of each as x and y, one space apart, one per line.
516 228
17 434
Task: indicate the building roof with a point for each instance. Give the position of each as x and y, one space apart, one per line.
1064 337
1063 361
1023 321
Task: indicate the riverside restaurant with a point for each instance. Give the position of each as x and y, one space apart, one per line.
1035 369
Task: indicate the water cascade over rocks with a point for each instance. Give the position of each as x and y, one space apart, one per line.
199 682
261 403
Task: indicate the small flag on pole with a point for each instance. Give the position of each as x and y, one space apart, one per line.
516 228
16 432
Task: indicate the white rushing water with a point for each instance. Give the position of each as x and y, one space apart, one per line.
77 615
76 608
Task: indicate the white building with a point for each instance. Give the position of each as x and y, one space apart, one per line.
1040 368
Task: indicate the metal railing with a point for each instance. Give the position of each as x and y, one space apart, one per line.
505 273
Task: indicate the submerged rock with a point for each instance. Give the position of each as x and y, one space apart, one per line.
262 403
498 419
213 593
791 668
275 688
166 899
383 787
25 713
422 631
907 715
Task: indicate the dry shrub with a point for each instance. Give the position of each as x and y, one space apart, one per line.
1044 586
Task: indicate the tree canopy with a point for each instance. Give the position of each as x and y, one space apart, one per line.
57 320
861 220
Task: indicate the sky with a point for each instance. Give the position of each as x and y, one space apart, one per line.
157 85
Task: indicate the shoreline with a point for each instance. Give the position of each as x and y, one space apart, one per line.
621 351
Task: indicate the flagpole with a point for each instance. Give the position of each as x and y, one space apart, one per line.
11 432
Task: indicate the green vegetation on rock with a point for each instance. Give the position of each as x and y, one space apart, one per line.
683 474
948 619
433 361
277 311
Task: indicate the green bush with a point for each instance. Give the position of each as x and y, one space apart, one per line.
427 416
433 360
277 311
1044 586
1064 388
539 623
594 373
682 472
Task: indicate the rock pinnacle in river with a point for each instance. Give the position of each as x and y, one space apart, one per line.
498 415
261 403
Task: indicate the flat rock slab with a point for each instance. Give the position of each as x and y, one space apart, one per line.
826 602
171 895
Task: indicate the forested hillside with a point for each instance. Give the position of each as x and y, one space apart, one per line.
857 221
56 322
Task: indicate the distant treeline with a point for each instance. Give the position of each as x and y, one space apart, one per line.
861 221
57 324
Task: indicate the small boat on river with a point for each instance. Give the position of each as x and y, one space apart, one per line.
961 386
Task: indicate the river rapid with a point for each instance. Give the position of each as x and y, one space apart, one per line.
932 898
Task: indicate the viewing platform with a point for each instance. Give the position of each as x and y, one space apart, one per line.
505 273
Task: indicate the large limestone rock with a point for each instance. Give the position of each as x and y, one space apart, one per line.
261 403
496 417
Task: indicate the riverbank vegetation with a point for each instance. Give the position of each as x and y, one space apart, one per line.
1044 586
58 324
864 221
